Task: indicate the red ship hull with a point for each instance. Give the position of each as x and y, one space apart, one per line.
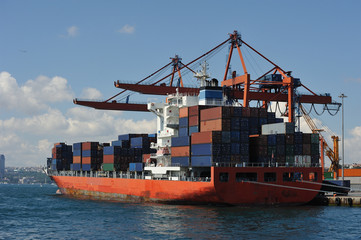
232 191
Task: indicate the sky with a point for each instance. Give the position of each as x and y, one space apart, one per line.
54 51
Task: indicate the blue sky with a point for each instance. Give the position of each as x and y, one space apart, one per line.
54 51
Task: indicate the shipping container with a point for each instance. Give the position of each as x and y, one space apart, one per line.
181 141
112 150
108 167
215 113
206 149
183 131
215 125
136 167
76 159
206 137
183 122
86 167
193 129
183 112
180 161
89 145
181 151
75 167
226 137
278 128
193 121
202 161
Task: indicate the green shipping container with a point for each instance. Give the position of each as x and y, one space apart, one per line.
290 159
289 150
315 138
328 175
108 166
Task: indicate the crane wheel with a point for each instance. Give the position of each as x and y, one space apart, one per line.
338 201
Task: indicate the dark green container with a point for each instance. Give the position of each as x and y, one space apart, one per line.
108 166
315 138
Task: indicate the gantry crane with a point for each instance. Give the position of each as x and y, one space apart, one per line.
280 89
332 154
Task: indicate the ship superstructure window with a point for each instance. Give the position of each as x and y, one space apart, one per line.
270 177
246 176
292 176
288 176
223 177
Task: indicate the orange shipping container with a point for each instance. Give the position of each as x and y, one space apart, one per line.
215 125
86 160
183 112
181 151
206 137
76 159
215 113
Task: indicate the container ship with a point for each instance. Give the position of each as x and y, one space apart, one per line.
209 148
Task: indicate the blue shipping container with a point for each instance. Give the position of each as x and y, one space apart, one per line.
135 167
271 139
111 150
183 131
117 143
235 148
139 142
193 129
183 122
76 166
202 161
180 161
181 141
77 146
89 153
86 167
235 136
206 149
77 152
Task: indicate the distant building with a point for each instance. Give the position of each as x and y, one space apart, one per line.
2 166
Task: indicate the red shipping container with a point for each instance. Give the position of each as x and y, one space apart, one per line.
108 158
89 145
246 112
76 159
183 112
193 121
146 158
181 151
206 137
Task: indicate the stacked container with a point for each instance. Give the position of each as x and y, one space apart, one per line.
61 156
92 156
128 149
77 152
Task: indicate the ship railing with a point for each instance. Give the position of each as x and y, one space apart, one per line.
263 164
124 175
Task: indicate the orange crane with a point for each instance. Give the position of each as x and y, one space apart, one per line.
281 89
332 154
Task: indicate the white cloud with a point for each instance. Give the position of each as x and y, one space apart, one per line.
72 31
34 95
28 141
127 29
91 93
353 146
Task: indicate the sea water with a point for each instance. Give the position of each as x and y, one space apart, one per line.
36 212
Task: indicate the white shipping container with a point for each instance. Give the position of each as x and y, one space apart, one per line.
298 160
306 161
278 128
